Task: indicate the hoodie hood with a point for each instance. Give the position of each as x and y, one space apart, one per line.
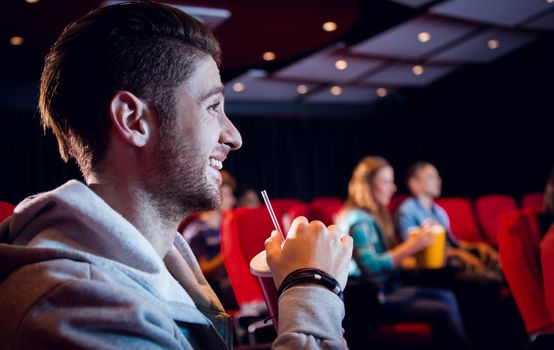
72 222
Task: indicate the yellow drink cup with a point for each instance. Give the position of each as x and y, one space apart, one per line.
431 257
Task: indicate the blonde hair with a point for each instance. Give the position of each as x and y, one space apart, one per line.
360 195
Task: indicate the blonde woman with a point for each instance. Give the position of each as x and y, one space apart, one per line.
377 254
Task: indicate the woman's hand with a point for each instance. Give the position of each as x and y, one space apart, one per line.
414 243
422 239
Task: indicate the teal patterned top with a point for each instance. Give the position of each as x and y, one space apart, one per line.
370 255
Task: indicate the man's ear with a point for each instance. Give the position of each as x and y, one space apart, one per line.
132 118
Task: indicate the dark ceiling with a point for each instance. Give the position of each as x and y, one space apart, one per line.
377 38
252 28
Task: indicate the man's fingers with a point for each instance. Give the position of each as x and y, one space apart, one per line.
333 229
478 267
347 242
273 244
318 226
297 224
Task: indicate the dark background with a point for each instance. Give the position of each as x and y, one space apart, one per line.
488 129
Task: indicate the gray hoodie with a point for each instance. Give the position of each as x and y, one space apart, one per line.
75 274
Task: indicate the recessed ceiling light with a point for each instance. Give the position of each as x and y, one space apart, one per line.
16 40
417 70
269 56
329 26
32 1
341 64
335 90
302 89
424 37
493 44
238 87
381 92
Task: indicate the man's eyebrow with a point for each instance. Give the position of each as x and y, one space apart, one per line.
216 90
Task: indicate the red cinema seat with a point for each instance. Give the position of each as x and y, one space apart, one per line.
185 222
533 200
280 207
518 243
243 233
295 211
547 260
489 209
462 219
6 209
325 209
396 201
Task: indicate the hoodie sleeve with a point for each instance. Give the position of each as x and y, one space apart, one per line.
92 315
310 317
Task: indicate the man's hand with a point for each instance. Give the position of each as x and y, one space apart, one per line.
309 245
471 262
487 254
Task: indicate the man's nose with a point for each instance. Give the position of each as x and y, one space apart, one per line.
230 136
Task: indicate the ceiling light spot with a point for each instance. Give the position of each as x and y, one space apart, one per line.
329 26
417 70
381 92
550 1
341 64
32 1
238 87
302 89
335 90
269 56
16 40
493 44
424 37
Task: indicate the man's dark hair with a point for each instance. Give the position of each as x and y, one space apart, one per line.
143 47
413 169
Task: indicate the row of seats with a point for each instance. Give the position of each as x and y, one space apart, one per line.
471 221
245 230
243 233
479 220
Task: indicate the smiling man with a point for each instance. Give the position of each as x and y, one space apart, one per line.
132 92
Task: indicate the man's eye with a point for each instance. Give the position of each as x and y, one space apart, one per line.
215 106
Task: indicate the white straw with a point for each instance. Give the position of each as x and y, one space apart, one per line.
272 214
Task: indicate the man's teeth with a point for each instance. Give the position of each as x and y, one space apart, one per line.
216 163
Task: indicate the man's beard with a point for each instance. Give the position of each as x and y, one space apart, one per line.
178 181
